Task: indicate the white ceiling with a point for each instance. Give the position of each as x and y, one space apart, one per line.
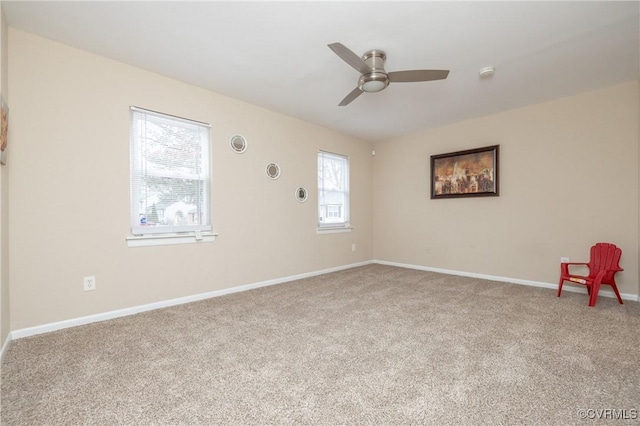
275 54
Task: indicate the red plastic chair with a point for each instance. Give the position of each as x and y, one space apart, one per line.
603 265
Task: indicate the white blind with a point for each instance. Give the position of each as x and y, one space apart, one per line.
333 190
170 174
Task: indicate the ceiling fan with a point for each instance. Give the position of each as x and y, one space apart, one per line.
374 78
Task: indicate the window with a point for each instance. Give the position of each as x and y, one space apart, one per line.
334 210
170 174
333 190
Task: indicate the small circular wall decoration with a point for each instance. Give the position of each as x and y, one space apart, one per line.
301 194
238 143
273 170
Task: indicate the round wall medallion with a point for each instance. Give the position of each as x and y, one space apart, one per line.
273 170
301 194
238 143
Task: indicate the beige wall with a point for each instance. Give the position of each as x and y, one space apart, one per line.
5 325
69 198
569 178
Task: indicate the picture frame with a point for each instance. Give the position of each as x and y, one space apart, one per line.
4 126
469 173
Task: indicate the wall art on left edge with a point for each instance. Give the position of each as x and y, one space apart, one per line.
4 126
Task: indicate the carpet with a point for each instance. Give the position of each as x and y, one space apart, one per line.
374 345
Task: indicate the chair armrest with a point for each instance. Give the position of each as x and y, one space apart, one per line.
564 266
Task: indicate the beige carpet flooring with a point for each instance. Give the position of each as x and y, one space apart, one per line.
374 345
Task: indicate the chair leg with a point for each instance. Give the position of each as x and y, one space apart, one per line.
615 289
560 287
593 297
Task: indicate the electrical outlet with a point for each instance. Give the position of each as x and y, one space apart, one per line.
353 247
89 283
564 259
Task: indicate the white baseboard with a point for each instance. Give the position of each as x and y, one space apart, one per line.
554 286
74 322
5 347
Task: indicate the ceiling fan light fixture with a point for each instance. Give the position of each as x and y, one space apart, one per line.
373 82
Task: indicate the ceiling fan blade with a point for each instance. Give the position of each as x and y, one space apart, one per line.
350 97
417 75
350 58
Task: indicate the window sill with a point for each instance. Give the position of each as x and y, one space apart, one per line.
169 239
334 230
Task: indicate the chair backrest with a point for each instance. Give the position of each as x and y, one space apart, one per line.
604 256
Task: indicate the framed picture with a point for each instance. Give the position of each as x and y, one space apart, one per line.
4 126
470 173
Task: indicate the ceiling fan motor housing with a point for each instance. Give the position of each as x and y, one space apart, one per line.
375 59
377 79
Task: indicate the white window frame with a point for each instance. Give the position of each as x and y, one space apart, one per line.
323 225
177 234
